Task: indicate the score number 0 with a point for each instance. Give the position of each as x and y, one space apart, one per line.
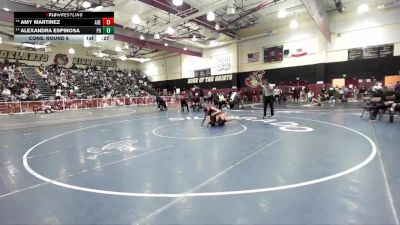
108 21
108 25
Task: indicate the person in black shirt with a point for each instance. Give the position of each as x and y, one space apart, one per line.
161 105
397 87
201 96
184 104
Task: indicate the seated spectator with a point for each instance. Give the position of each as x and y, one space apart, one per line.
58 93
6 94
221 101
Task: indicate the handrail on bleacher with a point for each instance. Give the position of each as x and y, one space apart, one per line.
72 104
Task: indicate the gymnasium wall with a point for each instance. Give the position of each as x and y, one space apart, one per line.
349 30
308 39
325 72
165 68
220 60
183 66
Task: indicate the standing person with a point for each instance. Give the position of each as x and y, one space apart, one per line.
296 94
277 94
190 97
201 95
209 97
355 93
196 102
268 97
184 104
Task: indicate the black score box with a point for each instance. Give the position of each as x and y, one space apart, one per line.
42 30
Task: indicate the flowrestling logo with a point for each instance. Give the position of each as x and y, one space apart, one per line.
282 125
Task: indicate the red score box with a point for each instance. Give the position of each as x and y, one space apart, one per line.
108 21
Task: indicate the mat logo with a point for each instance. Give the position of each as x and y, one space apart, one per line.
127 145
184 118
284 126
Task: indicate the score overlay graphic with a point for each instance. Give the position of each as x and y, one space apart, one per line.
63 26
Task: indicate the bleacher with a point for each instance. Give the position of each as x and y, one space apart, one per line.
79 83
32 74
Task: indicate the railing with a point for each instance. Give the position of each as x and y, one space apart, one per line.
29 106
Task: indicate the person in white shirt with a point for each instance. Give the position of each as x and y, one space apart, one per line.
233 100
6 93
268 98
377 87
277 95
25 90
310 96
233 95
58 93
10 76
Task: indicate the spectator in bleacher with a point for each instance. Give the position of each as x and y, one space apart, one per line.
58 93
6 94
37 95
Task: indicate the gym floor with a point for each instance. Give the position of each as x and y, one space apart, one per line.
135 165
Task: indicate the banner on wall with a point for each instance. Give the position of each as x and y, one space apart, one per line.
255 78
202 73
210 79
301 48
253 57
273 54
299 53
23 56
223 63
94 62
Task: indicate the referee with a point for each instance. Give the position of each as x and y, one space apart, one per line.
268 97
